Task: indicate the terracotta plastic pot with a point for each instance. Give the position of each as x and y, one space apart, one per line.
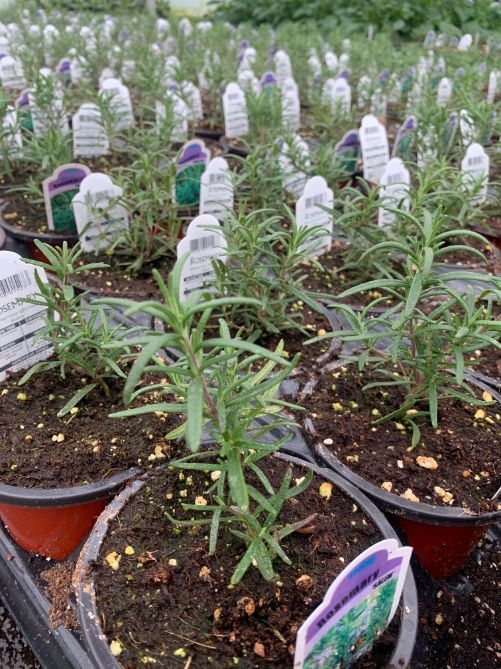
443 538
52 522
84 586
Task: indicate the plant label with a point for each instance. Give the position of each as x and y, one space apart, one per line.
395 182
58 191
20 323
89 136
22 104
63 69
374 145
78 71
293 160
248 81
467 127
193 99
363 92
11 131
11 73
492 86
54 115
216 189
268 80
449 132
171 68
309 214
205 242
331 61
337 94
465 42
120 102
357 608
236 119
314 64
347 152
282 65
378 103
475 168
402 148
191 164
291 107
106 73
173 116
98 213
184 27
444 92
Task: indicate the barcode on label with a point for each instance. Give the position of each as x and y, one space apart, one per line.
15 283
314 200
371 130
476 160
216 178
395 178
234 96
203 243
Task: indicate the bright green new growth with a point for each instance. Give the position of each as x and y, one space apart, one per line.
225 387
430 326
79 332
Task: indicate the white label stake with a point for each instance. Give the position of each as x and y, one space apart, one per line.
216 189
309 214
475 168
374 145
395 182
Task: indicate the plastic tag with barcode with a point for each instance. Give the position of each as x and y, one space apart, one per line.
374 145
216 189
475 168
395 182
310 214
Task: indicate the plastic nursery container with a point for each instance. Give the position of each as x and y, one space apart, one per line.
52 522
83 581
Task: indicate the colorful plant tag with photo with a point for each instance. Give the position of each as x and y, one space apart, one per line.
395 183
22 104
347 152
89 136
357 608
20 322
374 145
309 214
204 241
216 189
63 69
236 119
404 141
99 215
58 191
475 168
191 164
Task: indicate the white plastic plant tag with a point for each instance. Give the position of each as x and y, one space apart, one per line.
291 161
175 117
314 64
120 102
78 70
58 191
89 136
465 42
128 69
356 609
11 131
467 127
192 163
337 94
492 86
98 213
374 145
379 103
282 65
236 119
106 73
444 92
171 68
204 241
475 168
216 189
363 92
185 27
162 27
291 108
309 214
395 182
331 61
193 99
248 81
11 73
57 113
20 322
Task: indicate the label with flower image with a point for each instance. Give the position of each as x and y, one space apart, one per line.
59 190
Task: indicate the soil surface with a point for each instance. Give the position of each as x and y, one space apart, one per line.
459 458
168 600
58 591
14 650
40 450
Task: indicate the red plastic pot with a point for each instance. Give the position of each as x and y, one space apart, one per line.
52 522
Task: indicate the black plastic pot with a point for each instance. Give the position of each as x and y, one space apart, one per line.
212 135
88 614
52 522
230 149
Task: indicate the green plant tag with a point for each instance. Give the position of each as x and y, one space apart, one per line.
192 163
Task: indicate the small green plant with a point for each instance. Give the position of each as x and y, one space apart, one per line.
78 332
223 385
430 327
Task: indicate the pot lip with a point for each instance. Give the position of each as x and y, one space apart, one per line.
29 235
69 496
84 584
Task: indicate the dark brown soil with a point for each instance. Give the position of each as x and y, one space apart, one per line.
58 590
464 448
486 361
170 601
40 450
470 260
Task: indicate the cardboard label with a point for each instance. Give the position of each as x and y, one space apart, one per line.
374 145
402 148
192 163
58 191
89 136
347 152
290 158
357 608
11 73
291 107
204 241
120 102
175 116
492 87
475 167
98 213
309 214
20 322
395 182
236 119
444 92
337 94
216 189
467 127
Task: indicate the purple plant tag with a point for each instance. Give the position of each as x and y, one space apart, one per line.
347 151
268 79
58 190
191 164
344 74
404 139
